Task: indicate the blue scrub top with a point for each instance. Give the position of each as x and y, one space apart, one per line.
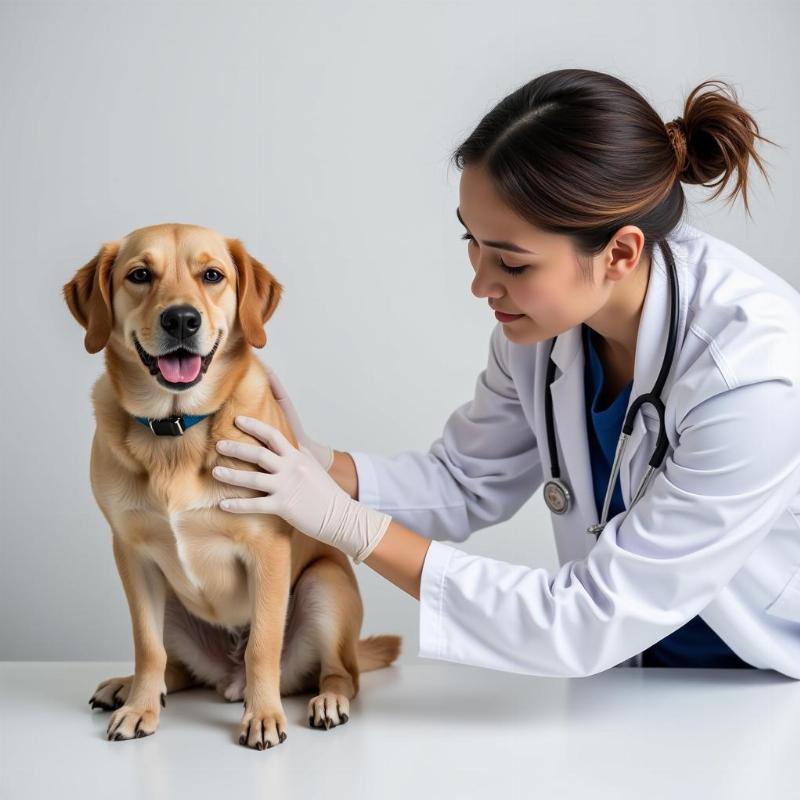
695 644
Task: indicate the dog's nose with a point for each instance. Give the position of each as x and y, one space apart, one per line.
181 322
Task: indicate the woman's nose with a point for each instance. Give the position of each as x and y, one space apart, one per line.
484 285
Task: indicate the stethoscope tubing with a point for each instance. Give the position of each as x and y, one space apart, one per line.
557 493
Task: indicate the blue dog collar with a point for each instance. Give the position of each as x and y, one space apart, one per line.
171 426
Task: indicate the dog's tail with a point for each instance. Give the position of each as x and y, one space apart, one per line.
375 652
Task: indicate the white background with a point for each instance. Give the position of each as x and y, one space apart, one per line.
318 133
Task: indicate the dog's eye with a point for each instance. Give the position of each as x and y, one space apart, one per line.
140 275
213 275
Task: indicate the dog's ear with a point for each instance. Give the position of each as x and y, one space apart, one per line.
258 291
88 296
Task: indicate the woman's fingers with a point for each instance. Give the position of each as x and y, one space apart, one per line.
261 481
265 433
277 387
279 391
285 402
254 453
269 456
247 505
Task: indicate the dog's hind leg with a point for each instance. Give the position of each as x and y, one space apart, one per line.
330 613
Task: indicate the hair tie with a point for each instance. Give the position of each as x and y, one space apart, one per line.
676 130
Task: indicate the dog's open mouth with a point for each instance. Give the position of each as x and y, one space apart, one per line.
179 368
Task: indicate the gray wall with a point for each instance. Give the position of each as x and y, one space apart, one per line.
318 133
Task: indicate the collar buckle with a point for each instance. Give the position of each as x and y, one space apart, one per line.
170 426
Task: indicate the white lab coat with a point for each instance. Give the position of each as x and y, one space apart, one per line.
716 534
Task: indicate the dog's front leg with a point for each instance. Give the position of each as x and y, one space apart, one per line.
145 588
264 722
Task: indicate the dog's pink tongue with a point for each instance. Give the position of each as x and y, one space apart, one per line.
179 369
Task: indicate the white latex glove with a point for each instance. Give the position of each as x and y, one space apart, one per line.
322 452
300 490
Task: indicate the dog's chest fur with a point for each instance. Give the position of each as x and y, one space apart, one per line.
172 513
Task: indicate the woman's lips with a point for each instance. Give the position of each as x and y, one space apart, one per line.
507 317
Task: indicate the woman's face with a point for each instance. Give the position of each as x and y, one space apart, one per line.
544 286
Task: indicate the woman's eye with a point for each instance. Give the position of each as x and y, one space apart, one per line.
512 270
139 275
213 275
501 263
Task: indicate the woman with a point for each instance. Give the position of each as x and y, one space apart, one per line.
567 185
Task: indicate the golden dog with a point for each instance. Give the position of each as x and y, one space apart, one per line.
241 602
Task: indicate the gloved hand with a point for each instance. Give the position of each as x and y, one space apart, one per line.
322 452
300 490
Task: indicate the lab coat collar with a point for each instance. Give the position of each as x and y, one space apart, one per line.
568 387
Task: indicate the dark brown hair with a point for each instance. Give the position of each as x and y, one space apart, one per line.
581 153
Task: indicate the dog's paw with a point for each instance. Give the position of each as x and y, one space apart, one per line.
111 694
327 710
263 727
232 688
133 722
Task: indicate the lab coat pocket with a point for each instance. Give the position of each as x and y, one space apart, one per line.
787 604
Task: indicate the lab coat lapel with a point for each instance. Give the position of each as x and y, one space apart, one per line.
569 405
569 415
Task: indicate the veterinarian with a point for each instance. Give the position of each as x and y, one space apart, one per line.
644 374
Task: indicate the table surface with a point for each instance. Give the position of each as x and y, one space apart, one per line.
427 729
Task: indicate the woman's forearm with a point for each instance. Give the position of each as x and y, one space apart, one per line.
343 471
399 557
400 554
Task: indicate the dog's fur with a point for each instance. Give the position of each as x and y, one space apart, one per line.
241 602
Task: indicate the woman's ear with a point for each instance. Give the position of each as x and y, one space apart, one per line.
88 296
258 293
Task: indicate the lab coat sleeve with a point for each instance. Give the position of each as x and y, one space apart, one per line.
479 472
733 472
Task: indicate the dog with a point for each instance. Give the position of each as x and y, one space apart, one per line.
242 603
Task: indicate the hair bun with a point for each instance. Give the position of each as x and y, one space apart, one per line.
676 130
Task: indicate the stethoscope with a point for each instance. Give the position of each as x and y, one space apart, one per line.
557 494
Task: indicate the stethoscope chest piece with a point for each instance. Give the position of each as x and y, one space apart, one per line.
557 496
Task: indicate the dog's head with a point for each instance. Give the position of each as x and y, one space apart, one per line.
173 295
